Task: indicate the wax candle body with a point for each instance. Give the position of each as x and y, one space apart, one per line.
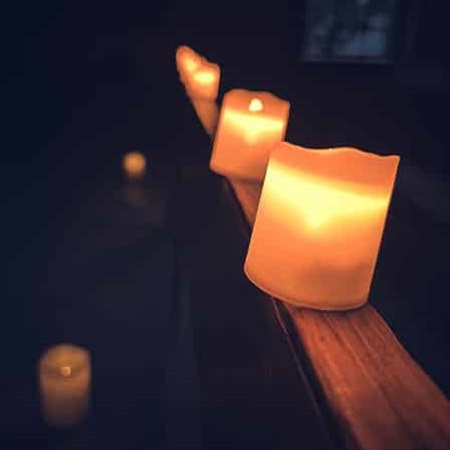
64 383
207 112
201 80
250 125
188 61
319 225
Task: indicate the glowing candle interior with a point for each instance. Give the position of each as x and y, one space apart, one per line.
250 125
201 80
188 61
319 225
200 77
64 384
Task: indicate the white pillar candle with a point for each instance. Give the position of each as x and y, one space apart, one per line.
201 80
319 225
250 125
64 383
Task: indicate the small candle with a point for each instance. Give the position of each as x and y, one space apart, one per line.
134 165
188 61
64 383
250 125
199 76
319 225
201 80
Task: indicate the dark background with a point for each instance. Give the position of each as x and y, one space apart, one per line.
84 81
75 71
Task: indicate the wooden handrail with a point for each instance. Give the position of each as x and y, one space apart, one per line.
379 397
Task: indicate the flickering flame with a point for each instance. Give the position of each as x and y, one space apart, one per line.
255 105
66 371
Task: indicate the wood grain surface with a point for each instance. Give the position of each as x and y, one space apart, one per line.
379 397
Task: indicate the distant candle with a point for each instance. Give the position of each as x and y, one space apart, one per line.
319 225
250 125
200 77
135 165
64 383
187 61
201 80
204 82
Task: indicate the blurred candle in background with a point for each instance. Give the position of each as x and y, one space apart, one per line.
201 80
319 225
188 61
64 384
250 125
135 165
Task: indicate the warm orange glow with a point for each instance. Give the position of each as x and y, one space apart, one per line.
324 204
201 80
204 77
192 62
319 225
200 77
64 384
204 82
250 124
66 371
187 61
254 130
255 105
207 112
135 164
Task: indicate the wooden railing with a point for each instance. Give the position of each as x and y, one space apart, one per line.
378 396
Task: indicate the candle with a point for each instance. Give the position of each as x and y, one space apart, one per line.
64 383
207 112
199 76
250 125
201 80
319 225
134 165
188 61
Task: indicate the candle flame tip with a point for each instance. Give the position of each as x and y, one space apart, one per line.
255 105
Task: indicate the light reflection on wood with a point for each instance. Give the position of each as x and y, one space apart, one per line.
379 397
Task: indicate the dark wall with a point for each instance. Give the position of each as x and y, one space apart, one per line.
96 77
